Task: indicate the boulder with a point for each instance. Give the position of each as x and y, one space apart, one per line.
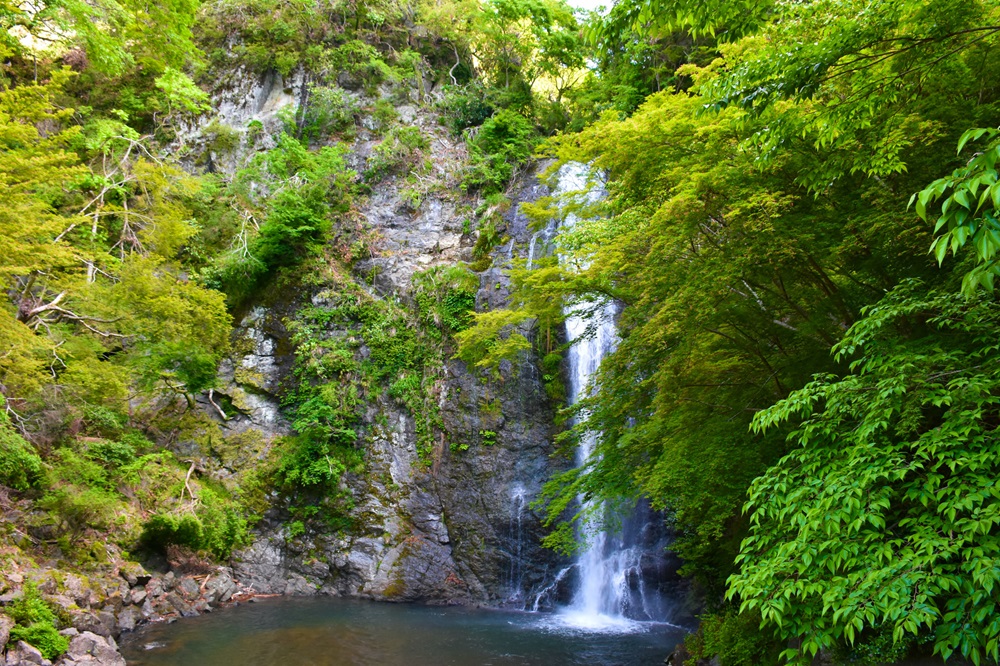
26 655
299 586
77 590
6 624
89 649
137 595
219 589
127 619
134 575
178 602
154 587
189 587
90 622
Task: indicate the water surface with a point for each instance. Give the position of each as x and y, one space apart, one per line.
328 632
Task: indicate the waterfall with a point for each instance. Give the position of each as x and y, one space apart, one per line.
618 574
519 503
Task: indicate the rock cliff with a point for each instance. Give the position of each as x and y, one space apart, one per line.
453 526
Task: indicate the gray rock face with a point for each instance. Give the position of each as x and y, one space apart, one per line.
453 529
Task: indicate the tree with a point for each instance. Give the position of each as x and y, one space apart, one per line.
885 515
95 298
113 34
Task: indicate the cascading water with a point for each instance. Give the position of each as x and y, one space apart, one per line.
519 503
617 575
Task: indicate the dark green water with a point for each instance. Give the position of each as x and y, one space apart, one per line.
328 632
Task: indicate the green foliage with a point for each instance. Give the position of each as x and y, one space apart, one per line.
329 111
968 216
888 492
735 275
384 114
520 41
181 93
308 192
217 526
112 454
115 35
552 377
224 525
36 623
42 636
294 529
221 138
367 41
465 106
861 99
503 143
733 639
874 648
400 150
103 421
80 495
486 241
494 337
446 297
162 530
20 466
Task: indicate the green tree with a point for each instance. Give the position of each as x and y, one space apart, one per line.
885 513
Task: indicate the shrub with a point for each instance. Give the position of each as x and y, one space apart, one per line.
489 238
309 460
223 526
730 638
36 623
20 466
77 508
221 138
112 454
384 114
401 147
329 111
81 494
164 529
102 421
43 636
503 142
465 106
446 297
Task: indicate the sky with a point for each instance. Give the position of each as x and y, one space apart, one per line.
588 4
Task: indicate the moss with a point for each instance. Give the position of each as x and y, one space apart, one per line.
221 138
245 376
37 623
395 589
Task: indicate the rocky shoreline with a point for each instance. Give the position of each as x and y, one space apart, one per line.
99 610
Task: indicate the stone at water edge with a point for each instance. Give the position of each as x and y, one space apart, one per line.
89 649
189 588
